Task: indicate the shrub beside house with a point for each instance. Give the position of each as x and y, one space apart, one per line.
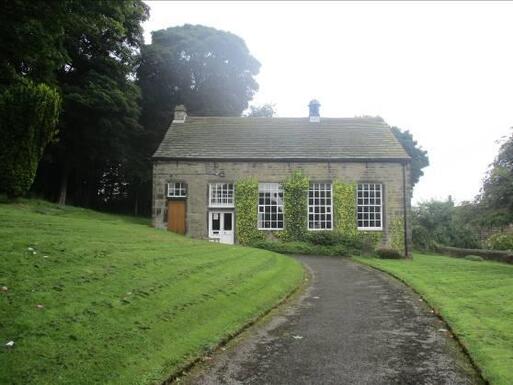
258 180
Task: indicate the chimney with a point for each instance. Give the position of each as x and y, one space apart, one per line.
180 114
313 106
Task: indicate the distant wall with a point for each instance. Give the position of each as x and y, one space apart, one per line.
492 255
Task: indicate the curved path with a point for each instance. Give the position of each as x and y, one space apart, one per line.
353 325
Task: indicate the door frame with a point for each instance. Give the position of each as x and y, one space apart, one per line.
217 237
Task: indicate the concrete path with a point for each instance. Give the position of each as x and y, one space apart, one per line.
352 326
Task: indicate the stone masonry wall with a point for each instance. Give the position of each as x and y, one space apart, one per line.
198 174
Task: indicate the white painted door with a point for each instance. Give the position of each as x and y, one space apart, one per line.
220 226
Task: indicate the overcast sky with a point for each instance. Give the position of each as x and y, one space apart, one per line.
443 70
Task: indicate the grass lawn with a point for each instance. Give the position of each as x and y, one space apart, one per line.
104 299
475 298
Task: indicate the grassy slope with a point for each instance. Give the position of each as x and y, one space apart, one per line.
475 298
123 303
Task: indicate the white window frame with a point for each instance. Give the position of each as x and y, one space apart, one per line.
317 189
361 202
221 187
276 189
177 190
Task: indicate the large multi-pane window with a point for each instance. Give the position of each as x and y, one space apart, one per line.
370 206
220 195
320 215
270 206
176 190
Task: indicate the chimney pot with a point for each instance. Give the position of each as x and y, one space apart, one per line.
180 114
313 107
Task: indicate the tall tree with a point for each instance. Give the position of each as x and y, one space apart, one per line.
211 72
496 197
100 99
419 157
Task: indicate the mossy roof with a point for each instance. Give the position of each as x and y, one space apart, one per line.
240 138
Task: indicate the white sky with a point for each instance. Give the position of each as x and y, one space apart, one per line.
443 70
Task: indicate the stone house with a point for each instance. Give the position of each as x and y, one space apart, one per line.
201 161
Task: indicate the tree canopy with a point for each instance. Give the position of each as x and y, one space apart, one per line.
496 197
209 71
419 157
264 111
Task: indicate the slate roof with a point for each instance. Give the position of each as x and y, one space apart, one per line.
234 138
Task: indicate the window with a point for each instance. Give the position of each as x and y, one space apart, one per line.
220 195
320 207
176 190
370 206
270 206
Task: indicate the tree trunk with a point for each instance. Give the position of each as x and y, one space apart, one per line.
63 191
136 204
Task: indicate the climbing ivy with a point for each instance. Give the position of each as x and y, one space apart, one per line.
246 204
344 210
295 197
397 234
344 204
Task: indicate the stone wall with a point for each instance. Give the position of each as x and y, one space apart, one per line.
198 174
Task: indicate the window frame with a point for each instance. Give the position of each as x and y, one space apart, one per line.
278 190
221 205
183 187
325 206
381 220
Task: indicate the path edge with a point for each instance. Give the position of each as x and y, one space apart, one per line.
299 289
436 312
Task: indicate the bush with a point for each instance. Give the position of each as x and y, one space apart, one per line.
325 238
302 248
28 119
388 253
500 241
476 258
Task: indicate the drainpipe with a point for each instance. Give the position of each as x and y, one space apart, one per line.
405 214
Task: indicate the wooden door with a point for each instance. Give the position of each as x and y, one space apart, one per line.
176 216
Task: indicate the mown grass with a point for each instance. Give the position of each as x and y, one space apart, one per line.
122 303
474 297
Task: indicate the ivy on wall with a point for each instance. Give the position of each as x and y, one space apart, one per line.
296 214
246 206
344 212
295 196
397 234
344 208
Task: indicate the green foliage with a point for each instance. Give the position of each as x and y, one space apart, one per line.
440 222
476 299
397 234
295 195
500 241
131 304
475 258
326 238
419 157
263 111
344 207
388 253
31 46
344 212
28 119
246 206
496 198
209 71
303 248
